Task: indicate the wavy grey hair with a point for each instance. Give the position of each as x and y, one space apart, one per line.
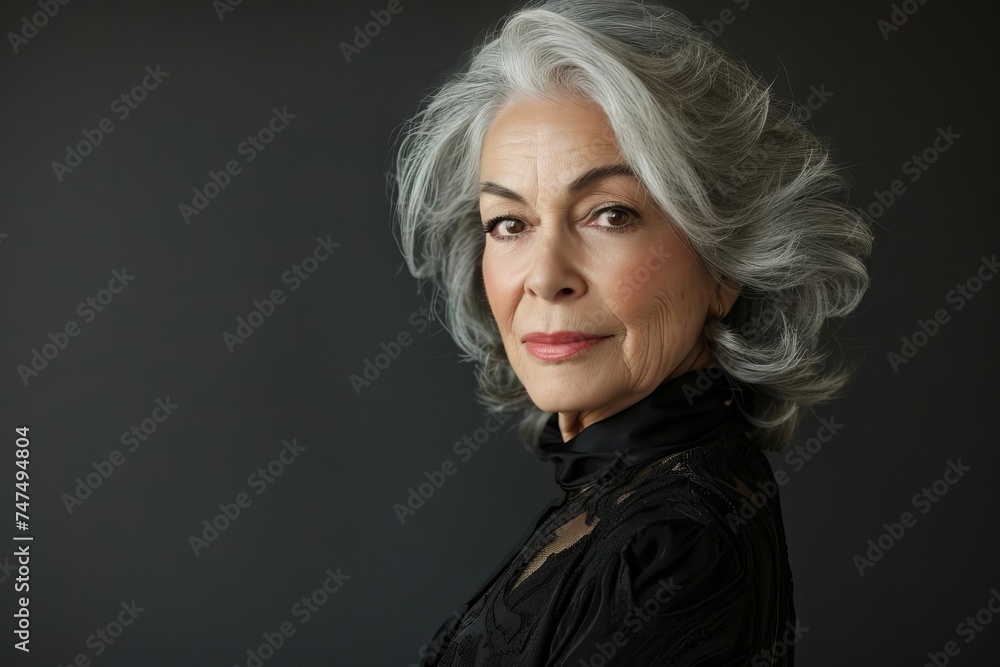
752 189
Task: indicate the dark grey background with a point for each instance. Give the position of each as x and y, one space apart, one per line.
325 175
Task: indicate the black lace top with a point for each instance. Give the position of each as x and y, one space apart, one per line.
667 549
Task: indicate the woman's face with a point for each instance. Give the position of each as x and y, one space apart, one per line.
585 251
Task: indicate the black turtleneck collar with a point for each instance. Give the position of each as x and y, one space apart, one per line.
689 410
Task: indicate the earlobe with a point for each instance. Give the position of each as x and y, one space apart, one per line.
725 296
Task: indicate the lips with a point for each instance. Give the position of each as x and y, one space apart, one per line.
559 337
560 345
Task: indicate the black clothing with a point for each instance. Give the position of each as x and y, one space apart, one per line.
655 556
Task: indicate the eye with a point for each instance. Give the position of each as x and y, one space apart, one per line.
622 218
509 226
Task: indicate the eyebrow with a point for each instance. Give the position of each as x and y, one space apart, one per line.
595 174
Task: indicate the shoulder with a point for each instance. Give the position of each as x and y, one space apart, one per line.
673 523
667 578
699 486
676 558
669 588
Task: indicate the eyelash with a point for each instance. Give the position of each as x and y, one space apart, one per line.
493 222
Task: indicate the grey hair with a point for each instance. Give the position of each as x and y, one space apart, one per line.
734 168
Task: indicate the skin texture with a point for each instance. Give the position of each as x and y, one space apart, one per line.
558 268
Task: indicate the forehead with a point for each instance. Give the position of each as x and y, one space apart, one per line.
549 132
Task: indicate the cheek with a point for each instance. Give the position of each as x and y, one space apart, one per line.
637 281
498 298
658 298
487 274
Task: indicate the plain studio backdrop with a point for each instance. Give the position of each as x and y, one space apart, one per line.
198 481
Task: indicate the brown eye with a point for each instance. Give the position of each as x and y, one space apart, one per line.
621 218
618 217
509 226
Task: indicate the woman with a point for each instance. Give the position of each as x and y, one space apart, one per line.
642 250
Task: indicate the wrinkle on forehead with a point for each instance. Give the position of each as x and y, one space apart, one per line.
546 151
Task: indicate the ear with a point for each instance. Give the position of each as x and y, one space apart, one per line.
726 294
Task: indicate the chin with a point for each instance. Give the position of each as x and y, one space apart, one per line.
565 394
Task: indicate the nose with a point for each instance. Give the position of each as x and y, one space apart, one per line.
554 272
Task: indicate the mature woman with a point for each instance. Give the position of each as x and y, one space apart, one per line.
642 250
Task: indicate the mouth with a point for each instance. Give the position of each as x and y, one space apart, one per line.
561 345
